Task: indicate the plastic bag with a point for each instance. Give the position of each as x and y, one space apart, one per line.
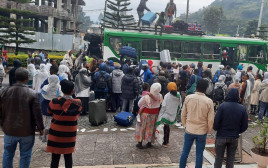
138 118
159 134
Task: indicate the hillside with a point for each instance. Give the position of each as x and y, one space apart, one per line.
237 12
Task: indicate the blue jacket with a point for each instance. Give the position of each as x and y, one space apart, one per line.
102 69
147 75
192 81
231 118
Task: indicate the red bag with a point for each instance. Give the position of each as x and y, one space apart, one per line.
168 28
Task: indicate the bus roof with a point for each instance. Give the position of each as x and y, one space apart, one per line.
173 36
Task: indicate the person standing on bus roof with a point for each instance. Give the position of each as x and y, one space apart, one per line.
171 9
140 10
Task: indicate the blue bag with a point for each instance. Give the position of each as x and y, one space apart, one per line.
148 18
216 77
128 51
124 118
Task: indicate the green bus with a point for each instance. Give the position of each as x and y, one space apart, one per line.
188 49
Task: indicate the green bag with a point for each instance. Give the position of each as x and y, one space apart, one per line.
192 89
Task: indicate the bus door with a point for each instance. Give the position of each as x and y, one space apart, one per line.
134 43
232 58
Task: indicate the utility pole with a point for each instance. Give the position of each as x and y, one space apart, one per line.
75 20
187 11
260 18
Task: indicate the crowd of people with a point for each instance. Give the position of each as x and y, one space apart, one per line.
155 94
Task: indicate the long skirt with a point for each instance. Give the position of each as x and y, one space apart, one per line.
145 130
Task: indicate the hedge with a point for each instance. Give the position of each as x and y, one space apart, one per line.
23 58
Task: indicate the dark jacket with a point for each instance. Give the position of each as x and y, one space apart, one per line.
164 82
192 81
231 118
102 69
12 79
20 111
130 87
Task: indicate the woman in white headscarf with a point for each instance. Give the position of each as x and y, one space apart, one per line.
82 86
145 129
49 92
31 69
39 77
63 72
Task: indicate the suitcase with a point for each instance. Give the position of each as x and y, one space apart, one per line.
124 119
165 56
97 112
91 96
128 51
168 28
148 18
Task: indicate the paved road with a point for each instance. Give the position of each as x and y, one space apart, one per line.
110 144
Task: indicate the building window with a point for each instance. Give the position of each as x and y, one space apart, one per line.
116 43
192 50
174 48
212 51
256 54
151 48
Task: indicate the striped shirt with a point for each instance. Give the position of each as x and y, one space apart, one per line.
63 128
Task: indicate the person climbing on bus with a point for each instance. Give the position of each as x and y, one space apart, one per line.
140 10
160 22
171 9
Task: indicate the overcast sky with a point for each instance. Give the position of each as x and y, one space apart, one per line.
94 7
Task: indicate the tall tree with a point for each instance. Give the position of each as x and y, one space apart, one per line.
84 20
251 27
13 29
116 16
212 18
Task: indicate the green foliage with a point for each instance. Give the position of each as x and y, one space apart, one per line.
13 29
116 16
212 18
23 58
237 12
260 141
251 27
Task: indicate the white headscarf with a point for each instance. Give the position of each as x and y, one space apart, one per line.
221 67
63 69
53 89
43 68
221 79
31 69
40 76
155 91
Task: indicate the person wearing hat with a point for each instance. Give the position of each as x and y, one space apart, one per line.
240 73
116 78
147 73
171 105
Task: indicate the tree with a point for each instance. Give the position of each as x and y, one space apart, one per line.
212 18
100 17
251 27
117 15
13 29
85 20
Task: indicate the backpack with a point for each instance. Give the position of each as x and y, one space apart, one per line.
192 89
101 81
210 88
216 76
219 94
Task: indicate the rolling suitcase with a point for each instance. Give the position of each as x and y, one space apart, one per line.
97 112
124 118
128 51
148 18
165 56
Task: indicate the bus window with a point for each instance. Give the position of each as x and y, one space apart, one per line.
256 54
116 43
212 51
192 50
151 48
242 51
174 48
133 44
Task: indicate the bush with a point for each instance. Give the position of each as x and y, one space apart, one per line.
23 58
